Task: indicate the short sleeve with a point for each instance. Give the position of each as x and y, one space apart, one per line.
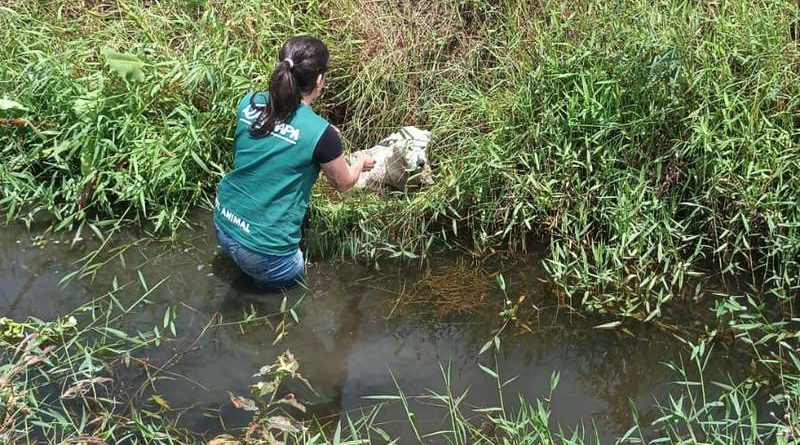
329 146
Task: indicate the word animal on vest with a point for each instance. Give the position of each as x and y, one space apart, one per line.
401 161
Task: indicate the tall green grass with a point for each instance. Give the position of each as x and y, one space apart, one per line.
650 141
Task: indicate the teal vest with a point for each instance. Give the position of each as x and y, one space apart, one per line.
262 202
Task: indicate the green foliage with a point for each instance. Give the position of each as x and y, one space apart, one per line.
8 104
268 407
649 141
126 65
694 413
58 381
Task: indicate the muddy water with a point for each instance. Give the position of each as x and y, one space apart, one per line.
353 339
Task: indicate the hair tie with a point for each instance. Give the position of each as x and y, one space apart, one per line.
291 62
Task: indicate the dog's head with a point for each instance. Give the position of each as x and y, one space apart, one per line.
411 149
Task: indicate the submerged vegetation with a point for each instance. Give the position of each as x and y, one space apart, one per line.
450 291
653 144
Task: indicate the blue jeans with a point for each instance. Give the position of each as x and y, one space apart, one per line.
270 272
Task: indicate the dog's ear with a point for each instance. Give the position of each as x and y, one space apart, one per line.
385 142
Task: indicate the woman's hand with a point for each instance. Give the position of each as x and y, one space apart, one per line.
367 163
342 176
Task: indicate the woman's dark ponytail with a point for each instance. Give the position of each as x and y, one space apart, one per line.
301 60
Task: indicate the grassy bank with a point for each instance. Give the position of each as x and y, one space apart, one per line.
650 141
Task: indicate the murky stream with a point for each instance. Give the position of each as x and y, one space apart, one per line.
353 339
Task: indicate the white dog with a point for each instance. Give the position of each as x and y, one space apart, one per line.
401 161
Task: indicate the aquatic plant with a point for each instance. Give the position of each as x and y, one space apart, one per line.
267 422
61 382
445 292
693 414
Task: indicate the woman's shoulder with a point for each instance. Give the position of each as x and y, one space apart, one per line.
309 114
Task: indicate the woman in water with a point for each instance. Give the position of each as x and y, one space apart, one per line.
280 146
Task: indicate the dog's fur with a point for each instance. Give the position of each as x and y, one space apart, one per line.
401 161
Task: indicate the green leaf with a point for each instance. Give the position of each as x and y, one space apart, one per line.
337 435
86 103
8 104
128 66
200 162
554 378
611 325
117 333
383 397
86 161
485 347
384 435
160 401
489 371
501 282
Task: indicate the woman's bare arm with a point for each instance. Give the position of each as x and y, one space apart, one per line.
342 176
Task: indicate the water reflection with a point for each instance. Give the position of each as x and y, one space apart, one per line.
346 345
